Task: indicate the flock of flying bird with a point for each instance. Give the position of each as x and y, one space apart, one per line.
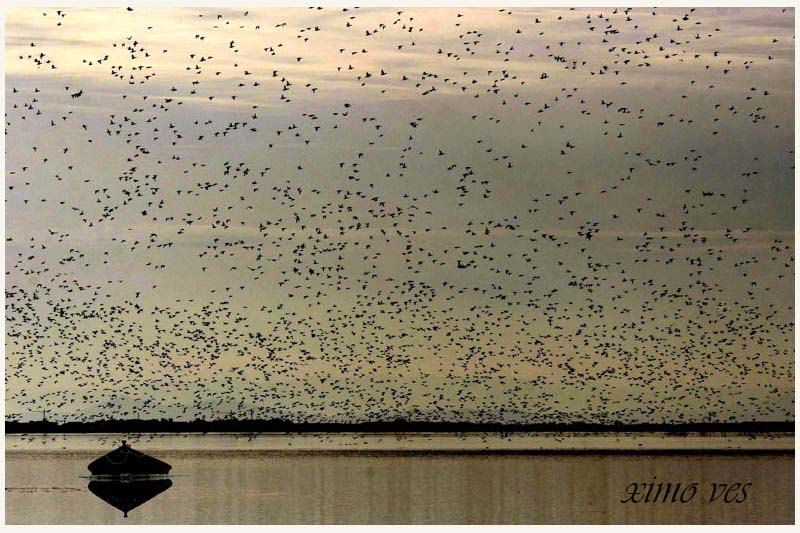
348 214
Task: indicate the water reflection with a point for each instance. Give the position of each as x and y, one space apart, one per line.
127 494
325 487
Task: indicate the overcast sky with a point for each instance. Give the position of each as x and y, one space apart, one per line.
348 214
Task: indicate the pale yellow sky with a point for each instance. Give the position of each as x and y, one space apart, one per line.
541 215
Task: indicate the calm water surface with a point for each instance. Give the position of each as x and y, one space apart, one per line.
320 479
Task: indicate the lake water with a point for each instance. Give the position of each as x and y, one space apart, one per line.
390 479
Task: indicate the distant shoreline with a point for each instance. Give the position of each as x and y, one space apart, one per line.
284 426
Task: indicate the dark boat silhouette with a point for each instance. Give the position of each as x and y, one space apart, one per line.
125 461
127 495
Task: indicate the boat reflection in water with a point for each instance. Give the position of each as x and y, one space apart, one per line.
126 478
128 494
